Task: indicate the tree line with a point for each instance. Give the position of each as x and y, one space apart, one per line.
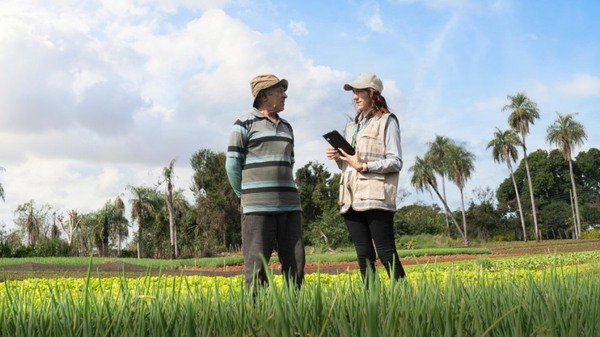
564 195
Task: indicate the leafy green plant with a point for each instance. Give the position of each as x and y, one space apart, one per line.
557 298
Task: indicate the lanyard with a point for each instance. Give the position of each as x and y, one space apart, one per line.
356 127
363 120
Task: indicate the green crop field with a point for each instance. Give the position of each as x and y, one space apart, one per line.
538 295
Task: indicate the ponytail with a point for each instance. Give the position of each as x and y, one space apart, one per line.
379 103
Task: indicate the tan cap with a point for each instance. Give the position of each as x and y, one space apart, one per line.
364 81
266 81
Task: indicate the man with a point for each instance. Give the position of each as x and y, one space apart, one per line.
259 164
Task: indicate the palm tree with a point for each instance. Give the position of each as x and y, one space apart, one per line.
459 171
504 149
142 206
524 112
120 229
438 152
423 179
566 133
168 175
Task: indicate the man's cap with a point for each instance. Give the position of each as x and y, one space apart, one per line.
364 81
266 81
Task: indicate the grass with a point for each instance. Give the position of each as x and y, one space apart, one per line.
432 302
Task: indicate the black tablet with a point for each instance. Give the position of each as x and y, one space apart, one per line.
338 142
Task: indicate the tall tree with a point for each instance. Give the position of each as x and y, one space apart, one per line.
589 165
106 228
438 152
102 225
218 208
120 229
566 133
460 167
423 179
185 220
318 190
33 221
523 112
168 176
157 228
504 148
142 207
71 224
84 237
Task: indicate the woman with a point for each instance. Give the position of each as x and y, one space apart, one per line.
369 178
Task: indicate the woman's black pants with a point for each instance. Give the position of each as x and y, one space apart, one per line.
373 231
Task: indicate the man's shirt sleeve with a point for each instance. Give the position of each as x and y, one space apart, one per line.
233 166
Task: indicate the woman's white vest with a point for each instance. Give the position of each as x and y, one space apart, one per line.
368 190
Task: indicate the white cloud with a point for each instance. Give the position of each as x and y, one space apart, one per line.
140 8
96 95
92 107
580 85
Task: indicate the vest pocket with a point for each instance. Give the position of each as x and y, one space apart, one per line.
344 195
370 186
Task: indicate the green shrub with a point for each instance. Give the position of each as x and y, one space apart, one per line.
501 238
591 234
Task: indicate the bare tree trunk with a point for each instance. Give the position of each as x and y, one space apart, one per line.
171 227
139 245
445 213
118 244
512 175
573 211
324 237
533 211
175 240
168 174
464 215
577 219
170 208
451 216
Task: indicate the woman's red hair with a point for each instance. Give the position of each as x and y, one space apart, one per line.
379 103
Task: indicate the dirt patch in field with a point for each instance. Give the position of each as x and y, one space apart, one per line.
110 269
497 251
330 267
40 270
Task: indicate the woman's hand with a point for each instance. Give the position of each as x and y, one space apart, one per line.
353 160
332 154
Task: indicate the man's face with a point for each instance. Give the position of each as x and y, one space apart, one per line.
275 99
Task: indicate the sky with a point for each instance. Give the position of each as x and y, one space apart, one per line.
97 95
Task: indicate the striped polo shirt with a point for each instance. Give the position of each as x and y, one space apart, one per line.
260 158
